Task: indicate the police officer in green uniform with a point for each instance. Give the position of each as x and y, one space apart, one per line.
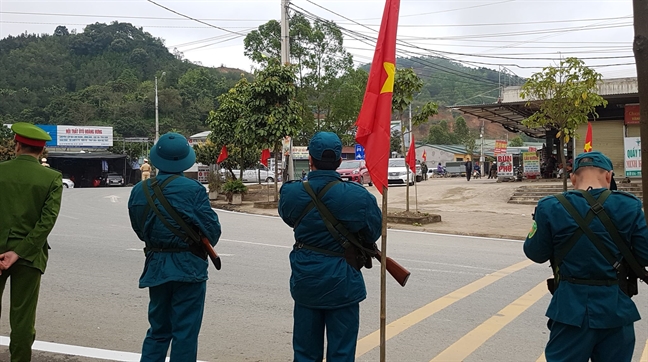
590 315
29 205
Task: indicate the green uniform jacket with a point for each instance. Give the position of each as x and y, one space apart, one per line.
30 199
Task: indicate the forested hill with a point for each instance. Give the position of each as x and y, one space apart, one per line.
105 76
450 83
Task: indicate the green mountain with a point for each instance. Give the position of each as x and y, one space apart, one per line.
105 76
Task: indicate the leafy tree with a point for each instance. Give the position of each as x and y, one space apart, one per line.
6 143
565 96
516 142
440 134
461 129
329 90
225 123
406 83
395 144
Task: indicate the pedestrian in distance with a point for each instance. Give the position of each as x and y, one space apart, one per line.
469 169
326 282
145 169
29 206
493 170
593 237
167 212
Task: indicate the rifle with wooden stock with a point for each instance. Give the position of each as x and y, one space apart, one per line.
211 252
397 271
342 235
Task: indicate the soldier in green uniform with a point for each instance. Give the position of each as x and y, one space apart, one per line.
29 205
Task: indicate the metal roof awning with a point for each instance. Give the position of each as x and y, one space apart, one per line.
509 115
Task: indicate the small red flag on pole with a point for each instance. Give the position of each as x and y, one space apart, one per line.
374 120
588 138
411 156
265 155
223 155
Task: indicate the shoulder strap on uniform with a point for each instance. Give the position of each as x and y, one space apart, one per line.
311 205
334 226
187 234
560 254
586 229
618 239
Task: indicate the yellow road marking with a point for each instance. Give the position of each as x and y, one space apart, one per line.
467 344
542 358
644 355
372 340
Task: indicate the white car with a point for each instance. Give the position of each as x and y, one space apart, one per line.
67 183
397 172
252 175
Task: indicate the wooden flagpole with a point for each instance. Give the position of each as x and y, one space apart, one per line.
383 276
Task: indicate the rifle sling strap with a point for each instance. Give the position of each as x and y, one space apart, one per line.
187 234
597 210
334 226
311 205
618 239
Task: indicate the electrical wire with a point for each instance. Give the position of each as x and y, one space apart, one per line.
194 19
121 16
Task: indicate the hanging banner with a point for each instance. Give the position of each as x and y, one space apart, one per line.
505 165
76 136
632 156
500 147
531 163
631 114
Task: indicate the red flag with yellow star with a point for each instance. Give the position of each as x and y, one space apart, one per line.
374 120
588 138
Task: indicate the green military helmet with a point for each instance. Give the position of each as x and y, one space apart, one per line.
30 134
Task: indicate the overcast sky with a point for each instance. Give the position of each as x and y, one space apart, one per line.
482 31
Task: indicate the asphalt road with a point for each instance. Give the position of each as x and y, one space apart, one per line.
471 299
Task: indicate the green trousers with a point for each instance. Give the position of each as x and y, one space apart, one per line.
25 284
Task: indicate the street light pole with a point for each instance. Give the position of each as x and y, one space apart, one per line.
157 121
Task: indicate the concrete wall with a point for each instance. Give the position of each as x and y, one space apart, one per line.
607 137
606 87
434 156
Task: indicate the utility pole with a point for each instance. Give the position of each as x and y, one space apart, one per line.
285 59
157 121
481 135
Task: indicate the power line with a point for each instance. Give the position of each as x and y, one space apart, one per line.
194 19
143 26
499 24
122 16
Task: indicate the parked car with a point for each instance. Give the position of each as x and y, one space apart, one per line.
112 179
355 170
252 174
67 183
397 172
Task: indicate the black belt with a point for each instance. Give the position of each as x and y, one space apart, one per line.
299 245
596 282
164 250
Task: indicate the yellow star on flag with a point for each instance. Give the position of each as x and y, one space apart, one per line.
388 86
588 146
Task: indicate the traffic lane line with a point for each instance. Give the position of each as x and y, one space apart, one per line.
467 344
79 351
394 328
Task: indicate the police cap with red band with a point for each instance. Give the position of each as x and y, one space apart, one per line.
30 135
